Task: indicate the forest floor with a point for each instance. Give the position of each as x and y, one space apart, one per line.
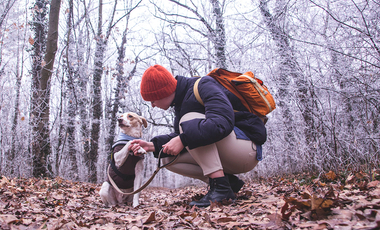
330 201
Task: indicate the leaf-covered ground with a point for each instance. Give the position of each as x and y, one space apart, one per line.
328 202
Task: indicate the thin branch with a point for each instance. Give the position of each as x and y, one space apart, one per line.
336 51
337 20
126 14
366 27
6 11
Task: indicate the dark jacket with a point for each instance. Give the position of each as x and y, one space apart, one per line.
219 104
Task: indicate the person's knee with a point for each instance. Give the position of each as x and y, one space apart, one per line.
191 115
166 160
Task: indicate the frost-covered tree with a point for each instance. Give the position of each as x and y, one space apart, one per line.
40 139
193 24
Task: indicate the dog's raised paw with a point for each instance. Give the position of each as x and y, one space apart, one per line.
141 151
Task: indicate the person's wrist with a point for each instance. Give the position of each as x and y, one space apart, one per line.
151 147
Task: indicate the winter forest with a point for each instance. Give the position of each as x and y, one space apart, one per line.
67 68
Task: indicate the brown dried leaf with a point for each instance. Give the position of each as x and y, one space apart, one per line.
318 203
330 193
151 218
305 195
31 41
350 179
225 219
275 219
373 184
300 204
331 176
8 219
361 175
284 215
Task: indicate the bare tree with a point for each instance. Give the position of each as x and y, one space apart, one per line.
290 71
41 145
11 153
97 108
15 144
122 82
39 44
7 8
213 30
71 93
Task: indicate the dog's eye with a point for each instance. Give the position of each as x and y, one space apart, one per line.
130 116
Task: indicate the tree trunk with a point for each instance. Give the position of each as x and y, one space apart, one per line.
289 70
71 107
119 88
14 139
219 36
41 144
122 82
38 43
97 108
83 100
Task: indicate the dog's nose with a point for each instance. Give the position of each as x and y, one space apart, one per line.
120 120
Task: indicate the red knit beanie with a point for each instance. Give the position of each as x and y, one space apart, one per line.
157 83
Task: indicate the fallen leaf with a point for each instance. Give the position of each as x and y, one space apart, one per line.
317 203
284 215
350 179
225 219
361 175
8 219
275 219
373 184
331 176
151 218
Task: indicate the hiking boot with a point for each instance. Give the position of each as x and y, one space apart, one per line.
220 189
235 182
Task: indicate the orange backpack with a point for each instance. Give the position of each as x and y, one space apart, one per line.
250 90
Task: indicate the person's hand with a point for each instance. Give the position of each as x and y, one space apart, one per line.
136 144
173 147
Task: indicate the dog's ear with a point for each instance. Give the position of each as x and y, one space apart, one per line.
144 122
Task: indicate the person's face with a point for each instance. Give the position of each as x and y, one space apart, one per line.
163 103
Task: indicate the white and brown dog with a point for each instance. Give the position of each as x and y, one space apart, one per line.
126 169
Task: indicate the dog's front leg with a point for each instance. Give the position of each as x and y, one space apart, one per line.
121 156
138 181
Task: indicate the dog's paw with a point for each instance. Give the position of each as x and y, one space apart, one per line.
141 151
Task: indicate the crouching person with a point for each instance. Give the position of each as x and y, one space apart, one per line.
213 141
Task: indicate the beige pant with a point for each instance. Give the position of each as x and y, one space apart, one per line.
231 155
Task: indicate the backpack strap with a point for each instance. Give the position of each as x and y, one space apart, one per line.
199 99
196 92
